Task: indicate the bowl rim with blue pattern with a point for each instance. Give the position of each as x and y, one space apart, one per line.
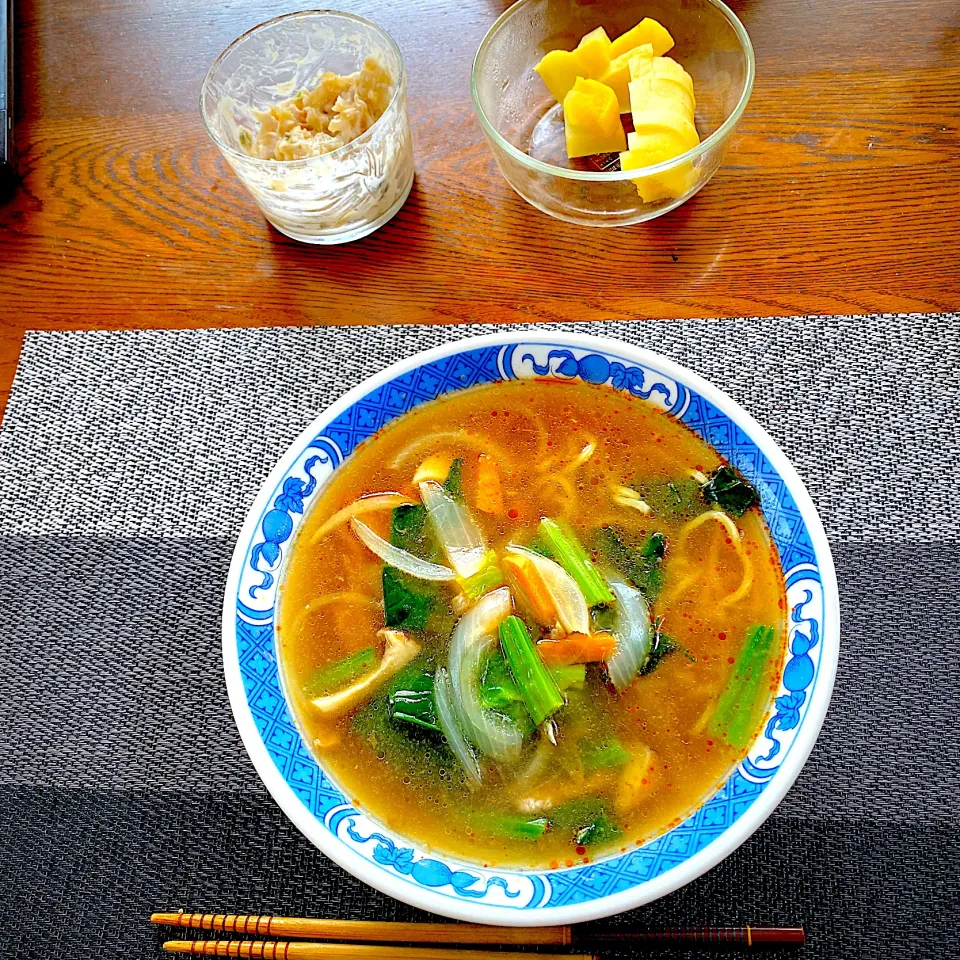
430 879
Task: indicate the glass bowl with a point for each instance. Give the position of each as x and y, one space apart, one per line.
338 196
524 124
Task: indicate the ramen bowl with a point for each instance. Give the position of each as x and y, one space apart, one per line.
418 873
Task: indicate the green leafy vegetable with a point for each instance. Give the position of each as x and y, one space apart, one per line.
600 830
333 676
603 755
566 549
499 691
730 491
408 529
737 712
661 648
407 603
640 563
454 482
588 821
539 689
412 748
679 498
413 701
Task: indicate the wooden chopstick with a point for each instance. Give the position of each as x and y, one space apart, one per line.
285 950
471 933
374 931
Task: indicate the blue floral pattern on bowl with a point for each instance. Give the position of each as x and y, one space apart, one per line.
249 638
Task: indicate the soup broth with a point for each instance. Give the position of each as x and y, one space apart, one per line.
580 720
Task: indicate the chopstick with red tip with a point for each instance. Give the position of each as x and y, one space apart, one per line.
285 950
436 934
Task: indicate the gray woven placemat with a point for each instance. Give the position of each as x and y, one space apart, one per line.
127 461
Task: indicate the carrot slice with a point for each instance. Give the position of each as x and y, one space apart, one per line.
489 489
577 648
526 578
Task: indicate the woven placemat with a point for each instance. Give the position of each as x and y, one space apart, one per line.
127 462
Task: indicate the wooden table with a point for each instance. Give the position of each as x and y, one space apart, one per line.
840 193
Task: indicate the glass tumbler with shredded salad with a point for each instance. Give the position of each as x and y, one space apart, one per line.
310 111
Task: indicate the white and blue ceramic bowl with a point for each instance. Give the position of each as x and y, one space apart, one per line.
433 881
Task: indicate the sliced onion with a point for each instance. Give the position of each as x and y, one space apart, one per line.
567 597
633 633
407 562
456 531
446 718
368 504
491 733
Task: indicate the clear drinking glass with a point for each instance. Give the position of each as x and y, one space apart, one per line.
335 197
524 125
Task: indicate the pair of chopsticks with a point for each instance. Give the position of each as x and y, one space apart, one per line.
427 941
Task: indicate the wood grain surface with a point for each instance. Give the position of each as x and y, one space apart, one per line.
840 192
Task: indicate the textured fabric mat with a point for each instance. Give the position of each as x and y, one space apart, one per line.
127 462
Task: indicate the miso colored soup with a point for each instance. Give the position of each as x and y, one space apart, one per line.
532 623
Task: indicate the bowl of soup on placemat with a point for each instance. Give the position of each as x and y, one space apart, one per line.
531 628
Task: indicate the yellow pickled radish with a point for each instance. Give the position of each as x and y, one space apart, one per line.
660 186
593 52
619 74
664 85
601 79
646 31
663 116
665 93
559 70
669 70
663 89
646 149
655 147
651 97
640 91
591 117
640 60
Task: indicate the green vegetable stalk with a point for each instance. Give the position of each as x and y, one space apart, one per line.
539 689
511 825
487 578
603 755
737 712
336 675
566 549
